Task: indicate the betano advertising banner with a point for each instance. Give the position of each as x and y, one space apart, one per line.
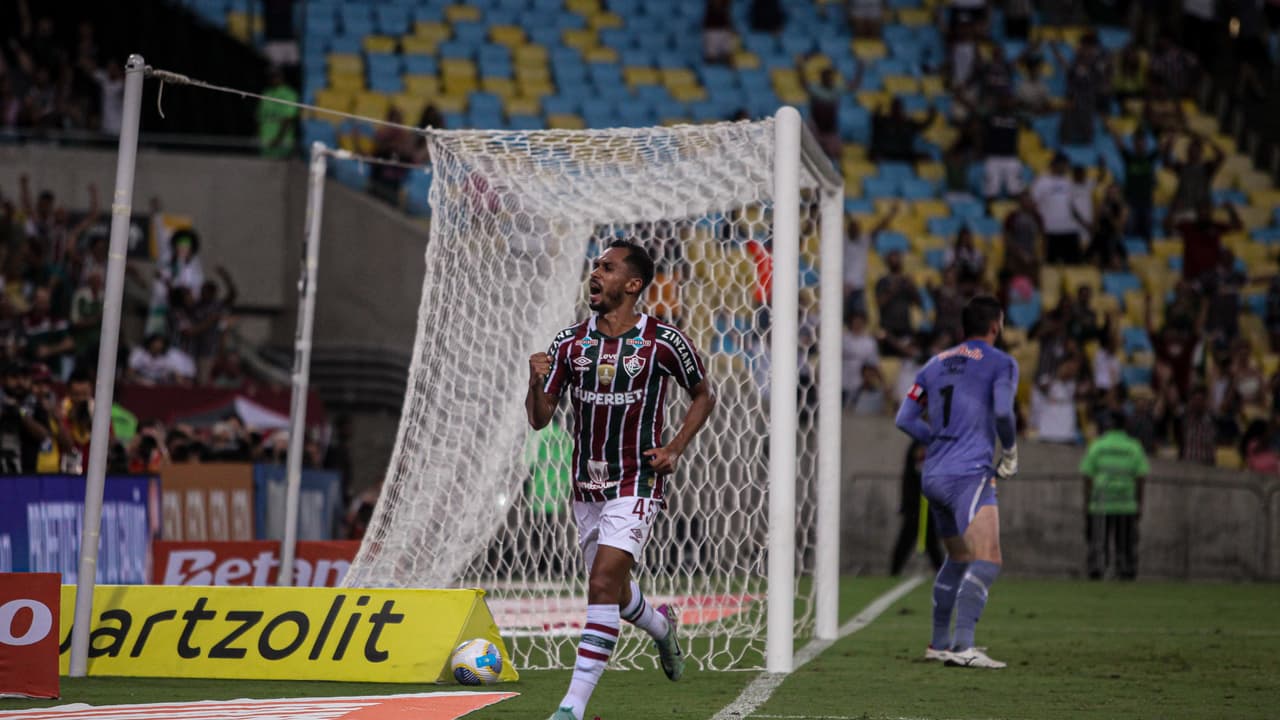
41 516
257 562
275 633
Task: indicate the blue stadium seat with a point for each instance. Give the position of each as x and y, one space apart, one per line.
1135 246
391 19
983 226
896 171
936 258
346 44
944 226
352 173
859 206
1025 314
417 198
965 208
1118 283
1135 340
878 187
1132 375
1256 303
560 105
382 64
918 188
385 83
419 64
889 241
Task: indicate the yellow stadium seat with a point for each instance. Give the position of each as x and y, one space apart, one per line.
688 93
932 85
532 88
934 171
529 55
874 100
914 17
372 104
430 30
901 84
422 85
678 77
582 7
1270 364
511 36
922 242
409 105
1077 277
890 368
1135 308
785 76
560 121
533 73
379 44
1228 458
414 45
502 87
854 152
601 55
930 208
605 20
346 63
640 76
333 99
1265 197
350 82
580 39
450 103
523 106
866 49
462 13
792 95
457 67
745 60
1000 209
1255 216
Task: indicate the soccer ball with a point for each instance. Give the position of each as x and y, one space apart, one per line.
476 662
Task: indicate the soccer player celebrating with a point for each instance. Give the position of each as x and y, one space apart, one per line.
615 365
968 391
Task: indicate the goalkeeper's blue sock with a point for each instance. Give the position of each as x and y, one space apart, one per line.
972 599
640 613
945 587
598 639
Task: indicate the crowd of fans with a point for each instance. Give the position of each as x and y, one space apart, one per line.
1206 389
55 78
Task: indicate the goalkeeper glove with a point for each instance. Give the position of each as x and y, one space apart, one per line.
1008 466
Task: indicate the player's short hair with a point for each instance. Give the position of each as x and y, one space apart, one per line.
978 315
639 260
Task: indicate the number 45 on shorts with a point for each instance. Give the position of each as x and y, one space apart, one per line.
646 509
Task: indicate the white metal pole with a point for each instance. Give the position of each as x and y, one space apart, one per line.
782 390
302 361
118 248
827 563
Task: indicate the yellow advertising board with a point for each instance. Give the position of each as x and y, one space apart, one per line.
276 633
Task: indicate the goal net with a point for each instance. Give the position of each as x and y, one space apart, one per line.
472 497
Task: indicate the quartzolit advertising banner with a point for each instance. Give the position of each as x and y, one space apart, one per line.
275 633
41 515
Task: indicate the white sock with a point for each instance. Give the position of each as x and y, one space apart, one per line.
598 638
640 613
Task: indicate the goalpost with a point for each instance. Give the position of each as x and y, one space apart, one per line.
745 221
750 531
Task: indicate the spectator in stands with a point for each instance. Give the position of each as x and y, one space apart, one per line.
859 351
1114 469
86 317
1139 184
1129 81
767 16
1222 287
228 371
276 121
1054 403
397 145
1001 169
431 117
1107 359
865 17
1251 49
949 301
23 422
1033 93
1022 232
1017 19
338 457
1197 431
824 103
869 398
157 363
961 63
1082 318
1195 175
110 83
1247 387
857 245
896 294
1258 453
1082 204
968 260
956 162
1088 89
1106 248
1173 67
76 416
893 134
1202 238
1051 332
1142 422
202 322
994 76
718 37
48 335
1273 315
1162 113
185 268
1053 196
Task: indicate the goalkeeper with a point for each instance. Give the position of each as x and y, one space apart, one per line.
615 366
969 392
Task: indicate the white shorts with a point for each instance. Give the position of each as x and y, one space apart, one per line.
624 523
1002 171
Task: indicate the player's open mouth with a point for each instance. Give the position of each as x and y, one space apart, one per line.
593 290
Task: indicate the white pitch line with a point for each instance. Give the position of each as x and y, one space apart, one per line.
761 689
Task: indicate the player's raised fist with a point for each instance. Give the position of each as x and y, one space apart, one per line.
539 365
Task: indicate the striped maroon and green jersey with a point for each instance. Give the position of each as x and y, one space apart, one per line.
617 386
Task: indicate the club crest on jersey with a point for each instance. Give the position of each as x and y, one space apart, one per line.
582 364
586 343
639 343
633 364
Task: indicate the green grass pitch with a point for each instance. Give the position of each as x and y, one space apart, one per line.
1075 650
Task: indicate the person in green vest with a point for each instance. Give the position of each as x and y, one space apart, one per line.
1115 468
276 121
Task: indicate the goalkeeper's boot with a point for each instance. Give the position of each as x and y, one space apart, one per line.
564 713
669 646
974 658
